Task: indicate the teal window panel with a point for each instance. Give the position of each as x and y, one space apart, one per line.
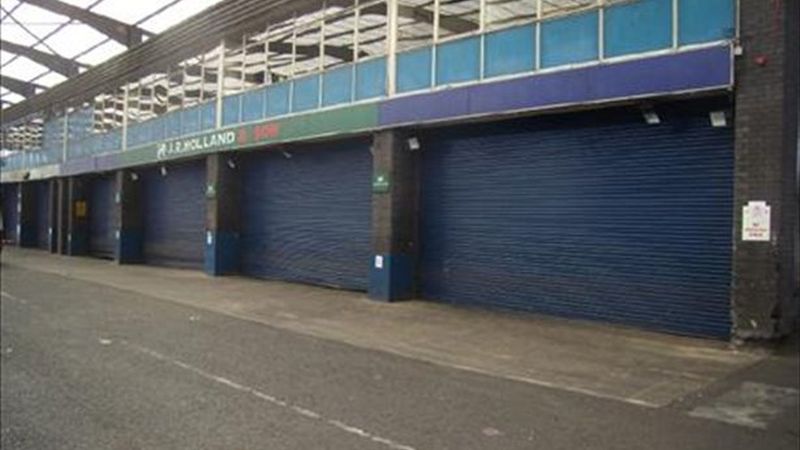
371 79
231 109
190 120
253 105
458 61
173 124
569 40
306 93
115 140
133 135
414 69
208 116
706 20
510 51
157 129
638 27
277 99
337 86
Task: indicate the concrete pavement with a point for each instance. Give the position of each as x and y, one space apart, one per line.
90 360
610 362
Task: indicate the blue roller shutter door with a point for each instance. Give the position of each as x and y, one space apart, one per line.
307 217
593 215
10 211
174 215
101 217
43 215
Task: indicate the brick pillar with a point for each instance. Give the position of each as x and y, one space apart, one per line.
128 219
77 217
62 215
395 204
765 273
222 215
26 231
52 230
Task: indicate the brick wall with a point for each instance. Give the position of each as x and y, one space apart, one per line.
765 277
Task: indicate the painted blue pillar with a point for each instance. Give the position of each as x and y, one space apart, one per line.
395 205
222 215
128 218
77 217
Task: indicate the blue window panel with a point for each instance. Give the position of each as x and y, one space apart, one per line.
638 27
570 40
706 20
143 133
458 61
414 70
337 86
208 115
115 140
510 51
306 93
371 79
277 99
230 109
190 120
157 129
172 124
253 105
132 135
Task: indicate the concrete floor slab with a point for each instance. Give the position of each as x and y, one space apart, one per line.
633 366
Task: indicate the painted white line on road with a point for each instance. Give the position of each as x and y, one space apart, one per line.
269 398
12 297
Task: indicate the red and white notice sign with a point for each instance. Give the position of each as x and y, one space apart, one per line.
755 221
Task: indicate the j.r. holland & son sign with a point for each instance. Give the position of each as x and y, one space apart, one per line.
195 144
218 140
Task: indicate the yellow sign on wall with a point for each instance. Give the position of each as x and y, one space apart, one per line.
80 209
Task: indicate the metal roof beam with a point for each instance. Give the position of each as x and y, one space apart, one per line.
23 88
56 63
125 34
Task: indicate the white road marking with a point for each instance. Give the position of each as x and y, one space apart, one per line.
17 299
751 405
270 399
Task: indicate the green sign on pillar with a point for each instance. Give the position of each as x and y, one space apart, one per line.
211 191
380 183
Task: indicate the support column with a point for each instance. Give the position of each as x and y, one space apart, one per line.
395 205
52 216
62 215
128 218
26 232
222 215
77 217
765 269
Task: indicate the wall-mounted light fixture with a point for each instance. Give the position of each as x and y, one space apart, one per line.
231 163
650 116
286 154
134 176
718 119
163 171
413 143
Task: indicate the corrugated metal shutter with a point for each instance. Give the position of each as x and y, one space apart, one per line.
43 215
593 215
307 217
174 215
101 217
10 211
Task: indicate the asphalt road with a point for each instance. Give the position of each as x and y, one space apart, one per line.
90 367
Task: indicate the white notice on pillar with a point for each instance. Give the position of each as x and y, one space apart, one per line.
378 261
755 221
